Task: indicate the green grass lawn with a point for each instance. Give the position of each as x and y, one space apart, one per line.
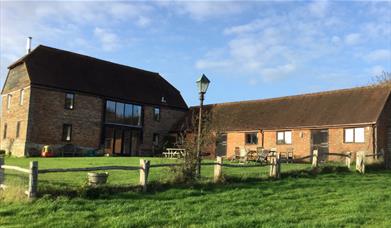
247 198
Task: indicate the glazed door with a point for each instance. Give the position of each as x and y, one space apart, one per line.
221 145
127 142
136 138
122 141
109 140
118 139
320 141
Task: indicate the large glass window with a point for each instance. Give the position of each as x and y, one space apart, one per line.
128 114
251 138
110 111
354 135
121 113
284 137
137 115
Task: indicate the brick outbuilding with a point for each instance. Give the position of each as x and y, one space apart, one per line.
347 120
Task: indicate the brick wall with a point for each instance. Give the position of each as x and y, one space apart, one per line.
17 79
383 125
168 117
301 142
47 116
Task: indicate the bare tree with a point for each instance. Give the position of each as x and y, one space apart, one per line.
187 172
383 79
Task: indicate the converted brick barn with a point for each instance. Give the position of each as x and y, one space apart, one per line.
59 98
348 120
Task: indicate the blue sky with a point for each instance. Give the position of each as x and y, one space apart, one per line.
249 50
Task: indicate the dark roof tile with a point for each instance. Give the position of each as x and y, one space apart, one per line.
66 70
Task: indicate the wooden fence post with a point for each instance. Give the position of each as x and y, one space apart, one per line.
315 159
348 159
278 165
274 165
360 161
144 172
33 180
2 174
218 169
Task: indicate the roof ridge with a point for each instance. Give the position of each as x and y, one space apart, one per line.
299 95
94 58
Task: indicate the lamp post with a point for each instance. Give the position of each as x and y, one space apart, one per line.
202 84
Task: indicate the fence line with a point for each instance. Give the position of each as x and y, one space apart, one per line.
16 168
63 170
145 165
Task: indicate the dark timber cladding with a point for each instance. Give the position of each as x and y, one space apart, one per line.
61 69
362 105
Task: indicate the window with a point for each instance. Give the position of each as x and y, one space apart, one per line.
156 139
251 138
17 129
69 101
5 131
284 137
9 98
67 132
156 114
121 113
128 114
110 111
137 115
354 135
21 97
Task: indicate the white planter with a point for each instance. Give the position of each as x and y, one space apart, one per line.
97 178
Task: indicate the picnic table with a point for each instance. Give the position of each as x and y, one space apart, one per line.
174 153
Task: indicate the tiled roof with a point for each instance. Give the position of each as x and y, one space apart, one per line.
66 70
361 105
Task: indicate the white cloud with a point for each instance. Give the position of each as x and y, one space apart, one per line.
270 74
353 38
319 8
376 70
250 27
66 23
108 40
143 21
202 10
379 55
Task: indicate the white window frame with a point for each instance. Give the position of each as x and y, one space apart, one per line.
284 140
356 135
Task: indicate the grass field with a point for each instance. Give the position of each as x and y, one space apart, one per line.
247 198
